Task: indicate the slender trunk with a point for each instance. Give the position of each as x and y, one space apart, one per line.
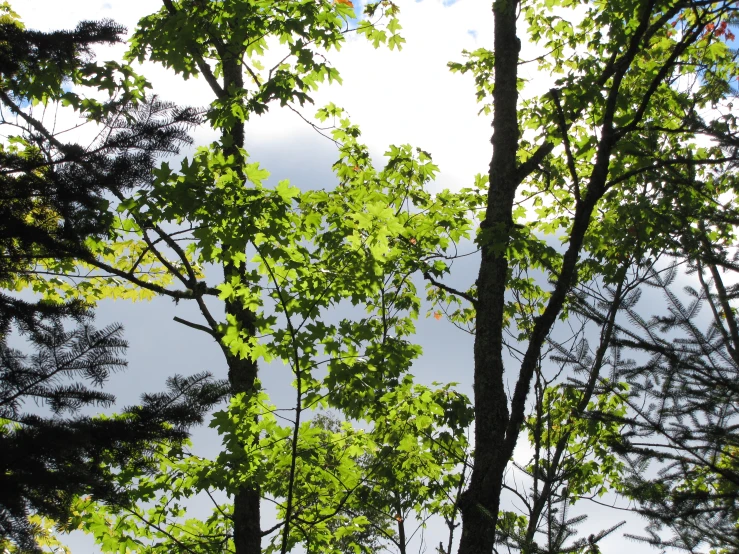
242 372
497 428
544 499
399 516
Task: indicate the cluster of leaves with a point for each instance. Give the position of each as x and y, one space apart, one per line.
312 251
350 485
589 467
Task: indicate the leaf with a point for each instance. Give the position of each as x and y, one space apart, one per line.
286 191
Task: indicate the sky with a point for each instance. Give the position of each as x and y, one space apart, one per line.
395 98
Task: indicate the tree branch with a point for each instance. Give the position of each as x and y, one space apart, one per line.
566 139
472 300
200 61
30 120
197 326
530 165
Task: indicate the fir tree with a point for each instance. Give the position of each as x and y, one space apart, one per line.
680 439
53 201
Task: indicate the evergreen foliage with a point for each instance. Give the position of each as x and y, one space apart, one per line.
54 198
679 436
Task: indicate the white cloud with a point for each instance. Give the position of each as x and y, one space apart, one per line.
395 97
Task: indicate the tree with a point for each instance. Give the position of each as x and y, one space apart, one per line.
616 123
52 201
313 251
675 364
595 155
679 434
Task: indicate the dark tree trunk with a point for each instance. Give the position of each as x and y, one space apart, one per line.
242 372
497 428
479 504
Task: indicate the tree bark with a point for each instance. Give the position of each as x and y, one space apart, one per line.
497 428
479 503
242 372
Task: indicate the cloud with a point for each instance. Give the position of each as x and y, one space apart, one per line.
395 97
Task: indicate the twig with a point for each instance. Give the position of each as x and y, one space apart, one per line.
471 299
196 326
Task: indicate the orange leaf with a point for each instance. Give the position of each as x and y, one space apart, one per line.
347 2
412 241
437 316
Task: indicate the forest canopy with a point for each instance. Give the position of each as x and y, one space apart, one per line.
591 265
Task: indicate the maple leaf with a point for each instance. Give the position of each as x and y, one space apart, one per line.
346 2
437 316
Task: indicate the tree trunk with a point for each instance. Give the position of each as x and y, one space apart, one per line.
479 503
242 373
